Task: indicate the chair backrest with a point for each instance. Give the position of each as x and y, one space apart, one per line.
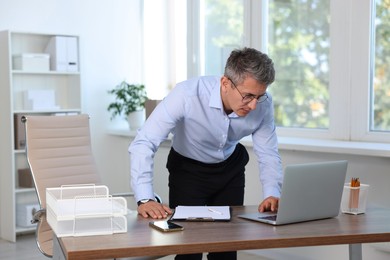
59 152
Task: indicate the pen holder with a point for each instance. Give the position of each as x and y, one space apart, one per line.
354 199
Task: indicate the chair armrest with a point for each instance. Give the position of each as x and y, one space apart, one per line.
38 215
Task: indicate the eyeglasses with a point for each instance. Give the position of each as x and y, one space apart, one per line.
249 97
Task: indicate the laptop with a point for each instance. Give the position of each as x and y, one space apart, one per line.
309 192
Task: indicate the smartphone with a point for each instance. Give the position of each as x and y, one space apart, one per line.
165 226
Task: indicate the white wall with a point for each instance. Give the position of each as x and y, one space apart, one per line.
110 51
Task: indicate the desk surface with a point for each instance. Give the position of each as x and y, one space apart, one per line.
238 234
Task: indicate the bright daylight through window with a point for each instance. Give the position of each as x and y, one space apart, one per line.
332 67
380 107
298 33
299 45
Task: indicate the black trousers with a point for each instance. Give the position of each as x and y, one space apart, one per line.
193 183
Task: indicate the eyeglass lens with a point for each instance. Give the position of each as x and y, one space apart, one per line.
249 98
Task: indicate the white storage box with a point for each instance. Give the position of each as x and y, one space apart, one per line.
25 213
42 99
63 51
85 211
31 62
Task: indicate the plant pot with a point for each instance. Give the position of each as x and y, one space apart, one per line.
136 119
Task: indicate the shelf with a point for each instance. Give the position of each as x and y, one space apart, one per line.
59 111
20 230
23 72
304 144
60 90
24 190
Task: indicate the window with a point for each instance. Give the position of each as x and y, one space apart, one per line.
380 82
295 34
165 45
298 42
332 59
369 97
221 31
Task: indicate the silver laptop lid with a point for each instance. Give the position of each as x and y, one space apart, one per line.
311 191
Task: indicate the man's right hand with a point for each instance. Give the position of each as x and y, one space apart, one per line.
154 210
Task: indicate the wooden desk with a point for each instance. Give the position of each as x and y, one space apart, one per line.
238 234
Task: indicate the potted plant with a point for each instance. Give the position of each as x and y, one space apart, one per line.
129 102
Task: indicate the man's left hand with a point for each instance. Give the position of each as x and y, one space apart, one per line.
269 204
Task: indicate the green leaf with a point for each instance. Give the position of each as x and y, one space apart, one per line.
128 98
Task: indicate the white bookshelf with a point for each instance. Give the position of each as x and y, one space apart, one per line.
13 85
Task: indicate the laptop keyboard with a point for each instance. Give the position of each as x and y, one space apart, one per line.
273 217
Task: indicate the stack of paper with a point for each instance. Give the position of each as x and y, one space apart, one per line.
202 213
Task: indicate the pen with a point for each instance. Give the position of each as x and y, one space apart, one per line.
200 219
215 211
354 194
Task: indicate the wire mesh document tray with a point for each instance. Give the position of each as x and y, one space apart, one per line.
85 210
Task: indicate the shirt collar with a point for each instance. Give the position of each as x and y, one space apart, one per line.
216 99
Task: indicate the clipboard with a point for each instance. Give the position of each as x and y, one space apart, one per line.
202 213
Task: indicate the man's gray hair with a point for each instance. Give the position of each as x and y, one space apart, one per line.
249 62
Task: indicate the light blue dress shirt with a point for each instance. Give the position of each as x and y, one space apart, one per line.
194 114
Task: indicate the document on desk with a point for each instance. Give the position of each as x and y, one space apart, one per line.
202 213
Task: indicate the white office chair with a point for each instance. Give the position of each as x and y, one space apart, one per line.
59 153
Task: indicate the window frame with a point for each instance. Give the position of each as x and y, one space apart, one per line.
361 70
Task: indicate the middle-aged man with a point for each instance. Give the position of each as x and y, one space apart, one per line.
207 117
